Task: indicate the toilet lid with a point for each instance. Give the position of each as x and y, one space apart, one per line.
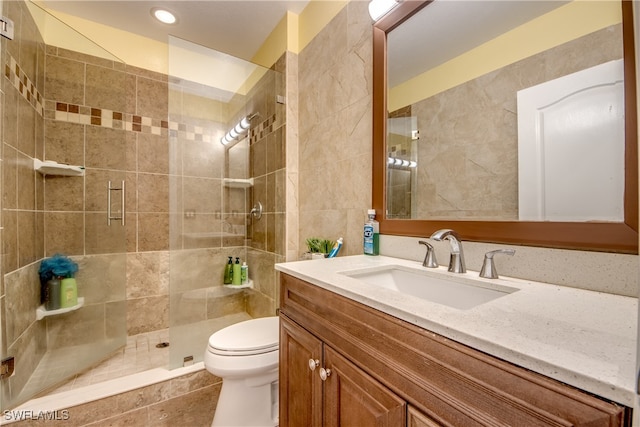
253 336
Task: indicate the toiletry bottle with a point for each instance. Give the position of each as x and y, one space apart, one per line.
237 272
53 294
244 274
228 272
68 292
371 234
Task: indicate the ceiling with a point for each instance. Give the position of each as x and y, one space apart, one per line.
447 28
235 27
439 32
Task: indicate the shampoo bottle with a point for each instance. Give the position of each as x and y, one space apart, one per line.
237 280
68 292
371 234
244 274
53 294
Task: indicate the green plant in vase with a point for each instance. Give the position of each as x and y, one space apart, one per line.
317 245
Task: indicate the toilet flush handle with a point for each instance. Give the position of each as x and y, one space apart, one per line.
313 364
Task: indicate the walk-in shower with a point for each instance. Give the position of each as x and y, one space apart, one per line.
151 282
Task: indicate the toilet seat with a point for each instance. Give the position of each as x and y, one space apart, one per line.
251 337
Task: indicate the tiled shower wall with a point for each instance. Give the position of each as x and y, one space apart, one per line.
267 244
112 119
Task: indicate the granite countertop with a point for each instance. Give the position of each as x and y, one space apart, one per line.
583 338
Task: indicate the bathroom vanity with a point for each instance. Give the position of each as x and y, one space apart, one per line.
353 353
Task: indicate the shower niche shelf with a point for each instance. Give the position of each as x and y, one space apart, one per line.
249 284
42 312
238 182
49 167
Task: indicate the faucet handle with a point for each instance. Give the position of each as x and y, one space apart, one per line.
488 267
430 257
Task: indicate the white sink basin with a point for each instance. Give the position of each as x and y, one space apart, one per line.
462 292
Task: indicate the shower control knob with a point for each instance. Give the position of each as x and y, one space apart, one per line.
324 374
313 364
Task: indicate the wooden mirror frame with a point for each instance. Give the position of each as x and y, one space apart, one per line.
596 236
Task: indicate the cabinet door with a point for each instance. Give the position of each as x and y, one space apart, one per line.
300 386
355 399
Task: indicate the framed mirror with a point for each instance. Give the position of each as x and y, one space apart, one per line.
492 203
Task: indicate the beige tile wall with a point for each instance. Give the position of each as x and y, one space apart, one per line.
109 126
268 154
335 130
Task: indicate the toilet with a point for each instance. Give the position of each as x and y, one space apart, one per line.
245 356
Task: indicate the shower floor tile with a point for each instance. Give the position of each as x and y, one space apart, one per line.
139 354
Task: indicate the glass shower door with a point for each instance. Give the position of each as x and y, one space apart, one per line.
63 176
212 191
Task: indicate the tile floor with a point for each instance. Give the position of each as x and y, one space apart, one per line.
139 354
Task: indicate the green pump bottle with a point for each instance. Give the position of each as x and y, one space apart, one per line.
228 272
237 272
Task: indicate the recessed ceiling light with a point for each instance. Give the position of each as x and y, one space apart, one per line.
164 15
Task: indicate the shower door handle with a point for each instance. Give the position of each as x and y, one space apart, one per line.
122 204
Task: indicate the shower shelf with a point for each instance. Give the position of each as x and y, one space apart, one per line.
247 285
49 167
238 182
42 312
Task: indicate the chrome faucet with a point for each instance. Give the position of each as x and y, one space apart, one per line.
456 261
430 257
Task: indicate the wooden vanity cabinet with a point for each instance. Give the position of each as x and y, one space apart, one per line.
386 372
342 395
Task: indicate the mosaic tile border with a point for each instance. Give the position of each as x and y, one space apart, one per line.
134 123
261 130
23 84
87 115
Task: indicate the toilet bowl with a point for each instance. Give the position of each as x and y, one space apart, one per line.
245 356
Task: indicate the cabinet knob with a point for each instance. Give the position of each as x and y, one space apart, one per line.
313 364
324 374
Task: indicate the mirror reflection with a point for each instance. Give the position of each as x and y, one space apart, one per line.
506 111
